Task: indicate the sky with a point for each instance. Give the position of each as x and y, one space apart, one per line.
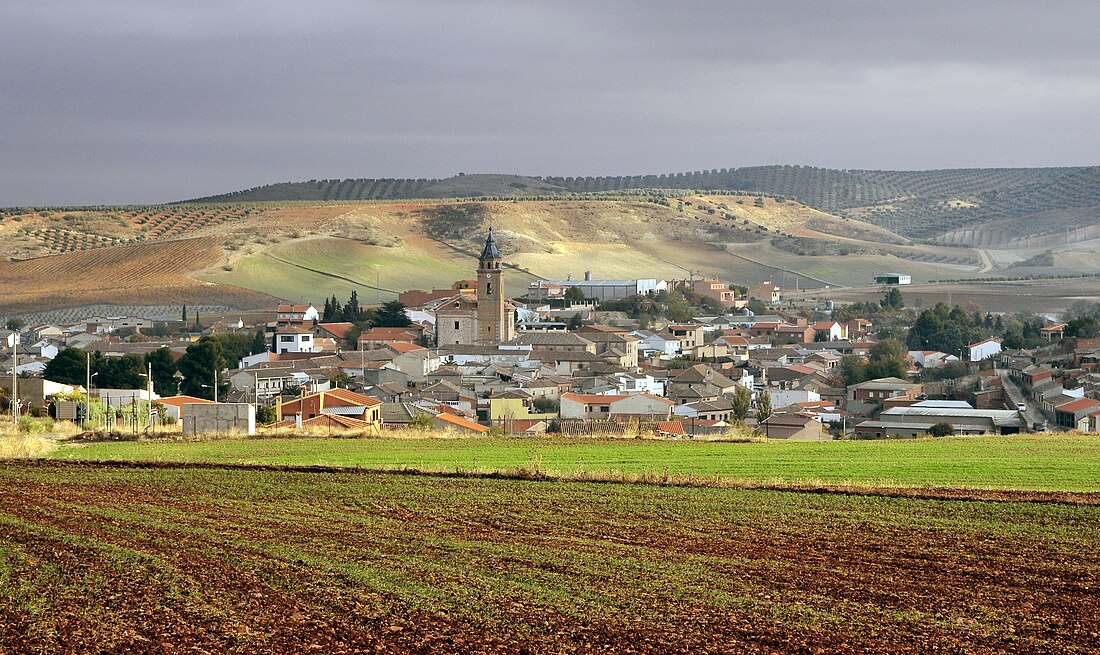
148 101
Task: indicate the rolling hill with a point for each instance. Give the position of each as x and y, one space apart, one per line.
804 226
995 207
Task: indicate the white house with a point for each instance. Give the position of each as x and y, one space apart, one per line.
931 358
293 339
654 343
289 313
788 398
979 351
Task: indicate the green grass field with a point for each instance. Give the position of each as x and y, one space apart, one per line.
1023 462
96 559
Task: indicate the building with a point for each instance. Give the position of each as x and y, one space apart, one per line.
976 352
914 421
767 292
883 388
297 314
486 318
893 278
796 427
294 339
599 290
337 402
718 290
1075 413
603 407
379 337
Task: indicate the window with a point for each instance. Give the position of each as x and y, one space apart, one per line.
456 327
286 338
488 288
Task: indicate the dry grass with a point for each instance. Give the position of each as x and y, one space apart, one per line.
16 446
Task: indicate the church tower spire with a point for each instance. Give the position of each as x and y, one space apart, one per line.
494 323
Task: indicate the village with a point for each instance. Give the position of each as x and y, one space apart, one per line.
563 359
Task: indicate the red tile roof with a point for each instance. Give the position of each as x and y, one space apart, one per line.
461 422
1078 405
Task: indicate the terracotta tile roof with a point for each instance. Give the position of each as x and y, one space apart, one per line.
461 422
179 401
338 330
1078 405
671 427
404 346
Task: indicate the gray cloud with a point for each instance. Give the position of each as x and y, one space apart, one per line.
151 100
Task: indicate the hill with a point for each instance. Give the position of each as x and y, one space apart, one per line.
244 255
996 207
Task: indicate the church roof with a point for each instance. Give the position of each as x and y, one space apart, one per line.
490 251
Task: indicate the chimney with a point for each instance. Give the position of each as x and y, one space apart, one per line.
588 276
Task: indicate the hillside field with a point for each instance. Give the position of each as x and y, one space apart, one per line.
1044 462
98 559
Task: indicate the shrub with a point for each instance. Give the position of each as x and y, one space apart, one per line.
941 430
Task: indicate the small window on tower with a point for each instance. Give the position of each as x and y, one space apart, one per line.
488 288
456 325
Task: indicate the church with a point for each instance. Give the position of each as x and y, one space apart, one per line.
486 318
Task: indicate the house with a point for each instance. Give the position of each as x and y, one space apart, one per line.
931 358
603 407
788 398
717 290
795 427
294 339
688 334
655 343
1075 413
1054 332
829 331
340 402
380 336
767 292
514 404
297 314
858 328
1033 375
883 388
976 352
336 331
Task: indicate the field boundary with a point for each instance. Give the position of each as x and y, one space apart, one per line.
653 478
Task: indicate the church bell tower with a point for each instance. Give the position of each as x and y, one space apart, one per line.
493 324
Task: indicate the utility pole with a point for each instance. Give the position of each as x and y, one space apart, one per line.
150 378
87 389
13 341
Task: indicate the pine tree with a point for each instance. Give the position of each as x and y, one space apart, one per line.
351 310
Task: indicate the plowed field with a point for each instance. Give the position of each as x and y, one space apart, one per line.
100 559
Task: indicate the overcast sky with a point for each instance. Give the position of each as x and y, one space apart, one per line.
127 101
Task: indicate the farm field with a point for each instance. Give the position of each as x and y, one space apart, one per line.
1052 295
96 559
1042 462
155 272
